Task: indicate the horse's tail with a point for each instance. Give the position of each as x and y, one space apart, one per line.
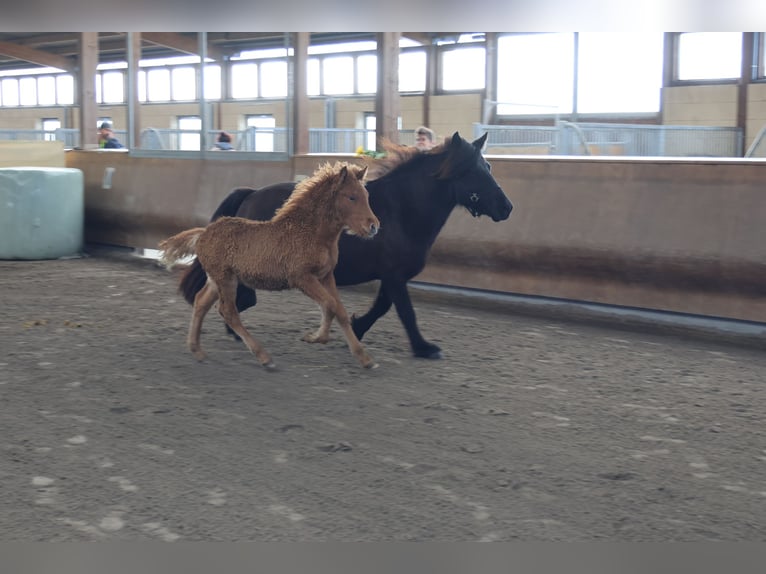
194 278
179 246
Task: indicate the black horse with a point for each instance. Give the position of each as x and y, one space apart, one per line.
413 195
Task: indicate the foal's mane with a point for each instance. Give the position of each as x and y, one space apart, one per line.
311 191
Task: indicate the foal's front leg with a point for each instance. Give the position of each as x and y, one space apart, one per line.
326 294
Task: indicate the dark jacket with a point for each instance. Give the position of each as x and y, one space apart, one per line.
112 143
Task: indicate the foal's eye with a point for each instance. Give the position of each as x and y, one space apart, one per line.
352 197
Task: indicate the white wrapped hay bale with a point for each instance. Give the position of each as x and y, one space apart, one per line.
42 212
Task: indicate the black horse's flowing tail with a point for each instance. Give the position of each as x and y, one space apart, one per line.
193 278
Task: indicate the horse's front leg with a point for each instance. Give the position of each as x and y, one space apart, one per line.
397 291
326 294
379 308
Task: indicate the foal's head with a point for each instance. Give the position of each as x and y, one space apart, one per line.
335 194
351 201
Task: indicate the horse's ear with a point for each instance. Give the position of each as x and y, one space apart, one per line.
456 138
361 173
479 143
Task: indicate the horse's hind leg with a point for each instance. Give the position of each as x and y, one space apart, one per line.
203 300
228 310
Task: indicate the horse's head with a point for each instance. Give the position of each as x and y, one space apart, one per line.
352 202
470 178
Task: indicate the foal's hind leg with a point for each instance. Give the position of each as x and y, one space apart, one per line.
203 300
228 310
326 294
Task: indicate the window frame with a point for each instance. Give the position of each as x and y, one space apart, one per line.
675 81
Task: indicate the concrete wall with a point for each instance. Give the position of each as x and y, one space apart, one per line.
676 235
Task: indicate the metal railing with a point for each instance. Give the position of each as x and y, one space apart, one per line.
565 138
252 139
570 138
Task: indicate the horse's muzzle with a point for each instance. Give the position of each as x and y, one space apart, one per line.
503 211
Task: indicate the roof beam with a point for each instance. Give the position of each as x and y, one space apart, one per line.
38 57
181 43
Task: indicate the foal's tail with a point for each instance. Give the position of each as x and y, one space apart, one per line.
179 246
194 278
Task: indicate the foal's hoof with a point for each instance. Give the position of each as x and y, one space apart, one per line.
270 366
199 355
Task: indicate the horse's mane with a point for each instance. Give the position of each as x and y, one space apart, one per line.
325 176
397 155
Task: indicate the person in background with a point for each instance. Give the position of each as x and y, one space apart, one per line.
106 137
425 138
223 142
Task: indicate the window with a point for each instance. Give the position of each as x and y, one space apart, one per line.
367 74
10 89
314 80
183 83
338 75
264 135
189 136
50 125
370 124
158 85
535 73
213 82
113 89
46 91
273 79
65 90
463 69
412 71
619 72
28 91
709 55
244 81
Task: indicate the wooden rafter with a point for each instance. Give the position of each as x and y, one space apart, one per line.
38 57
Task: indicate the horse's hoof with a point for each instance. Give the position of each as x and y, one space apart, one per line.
270 366
433 354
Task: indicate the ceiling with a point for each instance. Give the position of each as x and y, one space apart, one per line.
61 49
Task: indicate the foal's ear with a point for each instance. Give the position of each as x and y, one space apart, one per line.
343 173
361 173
